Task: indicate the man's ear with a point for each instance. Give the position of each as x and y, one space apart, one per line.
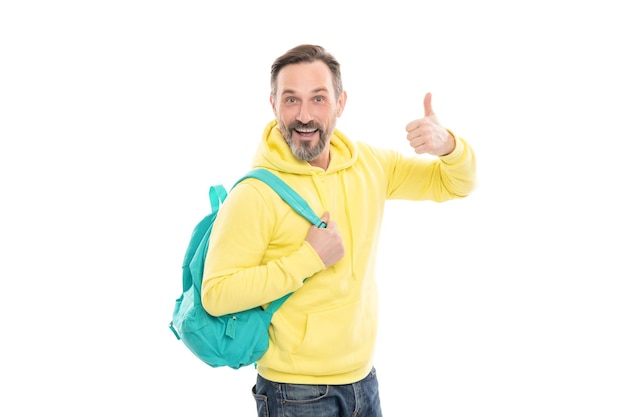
341 103
273 104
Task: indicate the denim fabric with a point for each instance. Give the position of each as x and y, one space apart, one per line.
294 400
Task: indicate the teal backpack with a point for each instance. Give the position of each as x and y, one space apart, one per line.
238 339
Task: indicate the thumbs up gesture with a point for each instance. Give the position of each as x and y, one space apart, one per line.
426 135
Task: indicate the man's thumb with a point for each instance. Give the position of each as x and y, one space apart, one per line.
325 219
428 108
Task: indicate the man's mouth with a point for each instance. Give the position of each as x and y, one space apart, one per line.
305 131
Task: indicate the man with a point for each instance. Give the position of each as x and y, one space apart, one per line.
320 359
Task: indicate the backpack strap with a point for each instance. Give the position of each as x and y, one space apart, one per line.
292 198
217 195
286 193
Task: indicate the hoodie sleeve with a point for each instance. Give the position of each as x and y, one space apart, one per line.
247 265
432 178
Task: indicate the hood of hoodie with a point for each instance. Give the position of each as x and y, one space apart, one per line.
274 153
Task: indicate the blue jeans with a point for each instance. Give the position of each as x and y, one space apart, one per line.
294 400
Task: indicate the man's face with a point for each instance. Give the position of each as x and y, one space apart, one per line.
306 109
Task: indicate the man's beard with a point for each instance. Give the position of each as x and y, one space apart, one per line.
304 151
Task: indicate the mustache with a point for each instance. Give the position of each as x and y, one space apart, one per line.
304 126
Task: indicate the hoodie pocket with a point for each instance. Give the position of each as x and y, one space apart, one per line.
337 340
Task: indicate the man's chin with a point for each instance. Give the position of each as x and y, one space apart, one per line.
303 152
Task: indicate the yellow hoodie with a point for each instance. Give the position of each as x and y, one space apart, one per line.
325 332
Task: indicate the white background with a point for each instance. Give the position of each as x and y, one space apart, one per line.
116 117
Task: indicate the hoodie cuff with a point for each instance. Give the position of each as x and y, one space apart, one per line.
304 263
458 153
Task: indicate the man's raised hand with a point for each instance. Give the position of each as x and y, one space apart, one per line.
426 135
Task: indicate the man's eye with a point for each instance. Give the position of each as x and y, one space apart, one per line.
290 100
319 99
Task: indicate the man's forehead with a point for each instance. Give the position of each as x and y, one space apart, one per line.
305 77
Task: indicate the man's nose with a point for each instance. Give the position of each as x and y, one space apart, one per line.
304 115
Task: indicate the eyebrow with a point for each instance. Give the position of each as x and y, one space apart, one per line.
315 91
